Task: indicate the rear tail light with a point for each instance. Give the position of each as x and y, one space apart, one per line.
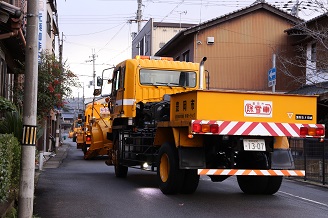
196 127
303 131
88 138
312 131
214 128
205 128
320 131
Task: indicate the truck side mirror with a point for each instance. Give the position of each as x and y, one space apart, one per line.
99 81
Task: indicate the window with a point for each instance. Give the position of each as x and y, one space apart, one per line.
142 46
314 52
118 80
171 78
186 56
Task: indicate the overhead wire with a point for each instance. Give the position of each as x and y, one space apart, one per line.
92 33
170 16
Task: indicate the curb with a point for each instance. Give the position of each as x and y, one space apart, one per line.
56 160
309 182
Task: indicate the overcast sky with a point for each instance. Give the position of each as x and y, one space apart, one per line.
103 28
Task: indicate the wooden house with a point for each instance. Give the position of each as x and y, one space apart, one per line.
239 48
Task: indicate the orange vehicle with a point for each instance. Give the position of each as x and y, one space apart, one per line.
97 122
76 132
163 119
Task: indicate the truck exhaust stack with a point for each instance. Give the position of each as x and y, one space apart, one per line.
201 73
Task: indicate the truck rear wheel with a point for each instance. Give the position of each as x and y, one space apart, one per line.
169 176
190 182
120 170
274 183
253 184
84 148
256 184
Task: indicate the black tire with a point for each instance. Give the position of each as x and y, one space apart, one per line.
84 148
190 182
253 184
85 151
120 170
170 177
274 183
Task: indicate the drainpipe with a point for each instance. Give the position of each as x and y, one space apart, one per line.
9 35
201 73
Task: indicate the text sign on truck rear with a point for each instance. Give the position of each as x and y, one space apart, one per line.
257 108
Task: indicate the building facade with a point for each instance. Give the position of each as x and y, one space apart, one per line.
154 35
12 46
48 26
239 48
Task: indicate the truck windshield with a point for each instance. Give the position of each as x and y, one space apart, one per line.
170 78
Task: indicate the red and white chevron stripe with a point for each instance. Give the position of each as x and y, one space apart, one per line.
249 172
257 128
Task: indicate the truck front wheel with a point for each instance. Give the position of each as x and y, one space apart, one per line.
120 170
170 177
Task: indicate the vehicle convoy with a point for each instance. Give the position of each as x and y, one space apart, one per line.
77 132
97 123
164 120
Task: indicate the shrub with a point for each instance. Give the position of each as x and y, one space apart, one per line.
10 151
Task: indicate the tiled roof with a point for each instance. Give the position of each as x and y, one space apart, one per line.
315 89
243 11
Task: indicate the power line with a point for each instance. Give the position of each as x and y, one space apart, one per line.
112 38
92 33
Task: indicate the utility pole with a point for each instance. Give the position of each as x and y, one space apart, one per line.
83 99
57 129
93 68
138 19
58 114
27 171
139 15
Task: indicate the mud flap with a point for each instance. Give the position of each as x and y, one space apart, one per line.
191 158
282 159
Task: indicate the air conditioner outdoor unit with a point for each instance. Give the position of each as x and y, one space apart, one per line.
210 40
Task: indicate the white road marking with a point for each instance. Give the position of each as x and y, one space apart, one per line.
305 199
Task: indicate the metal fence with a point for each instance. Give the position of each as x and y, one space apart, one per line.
311 155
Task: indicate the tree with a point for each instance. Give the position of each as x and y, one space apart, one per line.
54 84
308 64
309 42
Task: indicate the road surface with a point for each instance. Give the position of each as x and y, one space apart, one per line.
83 189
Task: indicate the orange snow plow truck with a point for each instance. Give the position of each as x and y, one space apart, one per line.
163 119
97 123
